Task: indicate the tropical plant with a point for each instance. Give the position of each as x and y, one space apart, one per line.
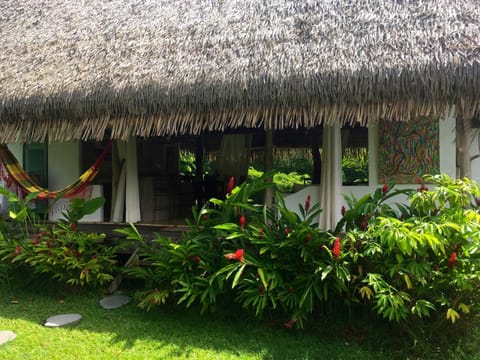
58 249
423 260
236 250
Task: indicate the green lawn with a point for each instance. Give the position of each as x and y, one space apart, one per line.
168 333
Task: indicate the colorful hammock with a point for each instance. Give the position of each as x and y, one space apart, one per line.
22 179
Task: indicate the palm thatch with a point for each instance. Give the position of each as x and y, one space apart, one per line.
72 69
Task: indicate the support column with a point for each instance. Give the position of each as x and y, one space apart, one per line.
269 193
463 153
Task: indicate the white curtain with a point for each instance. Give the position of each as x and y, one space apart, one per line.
331 179
234 155
128 194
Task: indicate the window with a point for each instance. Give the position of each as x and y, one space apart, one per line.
355 156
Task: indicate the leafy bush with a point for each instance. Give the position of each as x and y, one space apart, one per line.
407 262
59 249
422 260
238 251
285 183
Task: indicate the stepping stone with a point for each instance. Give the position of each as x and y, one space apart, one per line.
114 301
6 336
63 320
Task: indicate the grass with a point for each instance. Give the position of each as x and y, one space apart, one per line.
167 333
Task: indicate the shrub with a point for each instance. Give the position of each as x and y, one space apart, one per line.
59 249
407 262
236 250
423 260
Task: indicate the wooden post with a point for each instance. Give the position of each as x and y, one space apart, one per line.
317 160
269 165
115 176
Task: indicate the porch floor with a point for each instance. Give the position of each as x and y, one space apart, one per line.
173 230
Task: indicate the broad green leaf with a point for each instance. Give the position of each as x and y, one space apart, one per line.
236 279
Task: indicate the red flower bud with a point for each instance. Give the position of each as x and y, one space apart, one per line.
287 230
230 185
336 248
422 188
237 255
385 188
18 250
290 323
36 239
343 211
242 221
452 260
307 203
73 226
363 225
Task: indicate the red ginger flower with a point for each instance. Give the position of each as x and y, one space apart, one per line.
308 238
452 260
18 250
363 225
287 230
230 185
336 248
290 323
307 203
242 221
385 188
343 211
237 255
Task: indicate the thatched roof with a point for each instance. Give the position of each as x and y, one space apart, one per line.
150 67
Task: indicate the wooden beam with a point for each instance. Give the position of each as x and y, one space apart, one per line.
463 149
269 193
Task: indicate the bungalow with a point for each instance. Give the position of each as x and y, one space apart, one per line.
154 76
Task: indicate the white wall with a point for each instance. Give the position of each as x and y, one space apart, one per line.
475 150
63 164
17 151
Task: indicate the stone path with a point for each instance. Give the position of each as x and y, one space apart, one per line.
114 301
6 336
63 320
